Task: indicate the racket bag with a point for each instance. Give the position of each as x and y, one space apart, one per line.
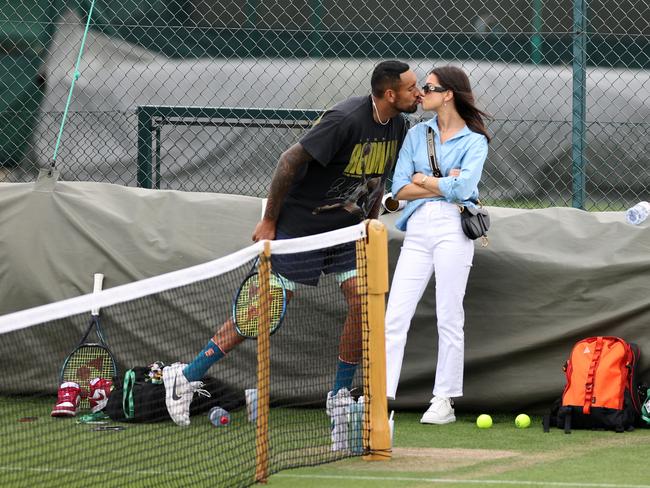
601 386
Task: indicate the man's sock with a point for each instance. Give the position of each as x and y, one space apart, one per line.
344 375
210 354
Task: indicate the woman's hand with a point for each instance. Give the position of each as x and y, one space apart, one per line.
419 179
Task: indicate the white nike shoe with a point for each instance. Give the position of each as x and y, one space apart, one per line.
440 412
337 407
343 398
179 393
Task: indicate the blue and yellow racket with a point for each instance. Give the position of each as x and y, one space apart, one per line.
246 307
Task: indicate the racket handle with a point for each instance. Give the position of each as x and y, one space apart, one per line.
97 287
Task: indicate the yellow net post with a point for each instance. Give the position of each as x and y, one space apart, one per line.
263 368
376 270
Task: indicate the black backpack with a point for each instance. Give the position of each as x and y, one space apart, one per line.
136 398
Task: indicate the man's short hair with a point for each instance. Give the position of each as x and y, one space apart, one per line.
387 75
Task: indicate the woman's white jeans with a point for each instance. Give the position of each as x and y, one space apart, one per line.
434 242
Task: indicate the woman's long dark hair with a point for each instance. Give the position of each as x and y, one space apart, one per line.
456 80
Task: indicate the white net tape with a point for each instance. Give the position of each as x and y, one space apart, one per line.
149 286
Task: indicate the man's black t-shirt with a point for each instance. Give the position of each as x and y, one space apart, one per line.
343 142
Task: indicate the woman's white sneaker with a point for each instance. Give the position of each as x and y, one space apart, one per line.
440 412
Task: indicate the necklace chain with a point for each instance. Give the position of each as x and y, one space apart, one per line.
374 105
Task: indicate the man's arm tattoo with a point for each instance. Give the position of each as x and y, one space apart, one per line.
288 166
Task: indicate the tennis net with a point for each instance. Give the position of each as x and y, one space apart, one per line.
153 323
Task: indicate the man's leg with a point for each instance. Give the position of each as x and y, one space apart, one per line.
224 341
350 340
340 399
181 381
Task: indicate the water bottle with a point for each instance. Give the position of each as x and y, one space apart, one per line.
638 213
219 417
355 419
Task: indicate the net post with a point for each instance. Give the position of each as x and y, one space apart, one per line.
376 418
263 368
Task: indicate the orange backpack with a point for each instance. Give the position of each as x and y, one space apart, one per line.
600 391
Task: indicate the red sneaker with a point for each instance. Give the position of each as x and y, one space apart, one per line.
100 389
67 402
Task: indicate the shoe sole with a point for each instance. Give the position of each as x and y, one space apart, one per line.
446 420
63 413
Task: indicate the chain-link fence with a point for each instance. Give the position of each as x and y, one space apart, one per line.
567 84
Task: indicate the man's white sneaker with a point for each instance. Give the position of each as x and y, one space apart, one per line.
343 398
337 408
178 393
440 412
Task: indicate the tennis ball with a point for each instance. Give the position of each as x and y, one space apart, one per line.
484 421
522 421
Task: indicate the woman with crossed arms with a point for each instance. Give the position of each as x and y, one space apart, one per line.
434 241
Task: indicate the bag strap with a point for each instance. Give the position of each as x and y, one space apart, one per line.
433 164
127 394
589 384
431 150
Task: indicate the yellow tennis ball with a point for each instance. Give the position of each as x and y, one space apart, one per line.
484 421
522 421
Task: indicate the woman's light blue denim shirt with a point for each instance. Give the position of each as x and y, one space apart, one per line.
466 151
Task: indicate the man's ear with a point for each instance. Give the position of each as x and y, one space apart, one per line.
390 95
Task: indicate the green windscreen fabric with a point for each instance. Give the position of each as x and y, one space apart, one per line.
26 30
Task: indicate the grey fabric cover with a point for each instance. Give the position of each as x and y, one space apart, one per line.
548 278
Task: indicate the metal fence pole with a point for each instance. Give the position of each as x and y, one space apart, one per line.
536 38
579 113
316 22
145 129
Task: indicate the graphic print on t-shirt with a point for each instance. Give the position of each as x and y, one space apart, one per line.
332 181
355 191
378 155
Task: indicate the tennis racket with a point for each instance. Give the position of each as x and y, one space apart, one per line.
89 360
246 307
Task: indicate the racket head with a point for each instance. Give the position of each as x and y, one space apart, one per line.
87 362
246 305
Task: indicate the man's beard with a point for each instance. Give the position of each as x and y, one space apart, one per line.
410 109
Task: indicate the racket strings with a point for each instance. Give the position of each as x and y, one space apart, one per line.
85 364
248 312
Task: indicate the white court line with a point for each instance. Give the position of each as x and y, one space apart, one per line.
449 481
151 472
148 472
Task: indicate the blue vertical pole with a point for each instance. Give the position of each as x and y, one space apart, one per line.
578 133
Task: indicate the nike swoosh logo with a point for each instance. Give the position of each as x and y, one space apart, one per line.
175 395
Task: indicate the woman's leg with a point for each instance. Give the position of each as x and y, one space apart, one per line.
452 259
413 271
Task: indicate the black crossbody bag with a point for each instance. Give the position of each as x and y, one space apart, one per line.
475 221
